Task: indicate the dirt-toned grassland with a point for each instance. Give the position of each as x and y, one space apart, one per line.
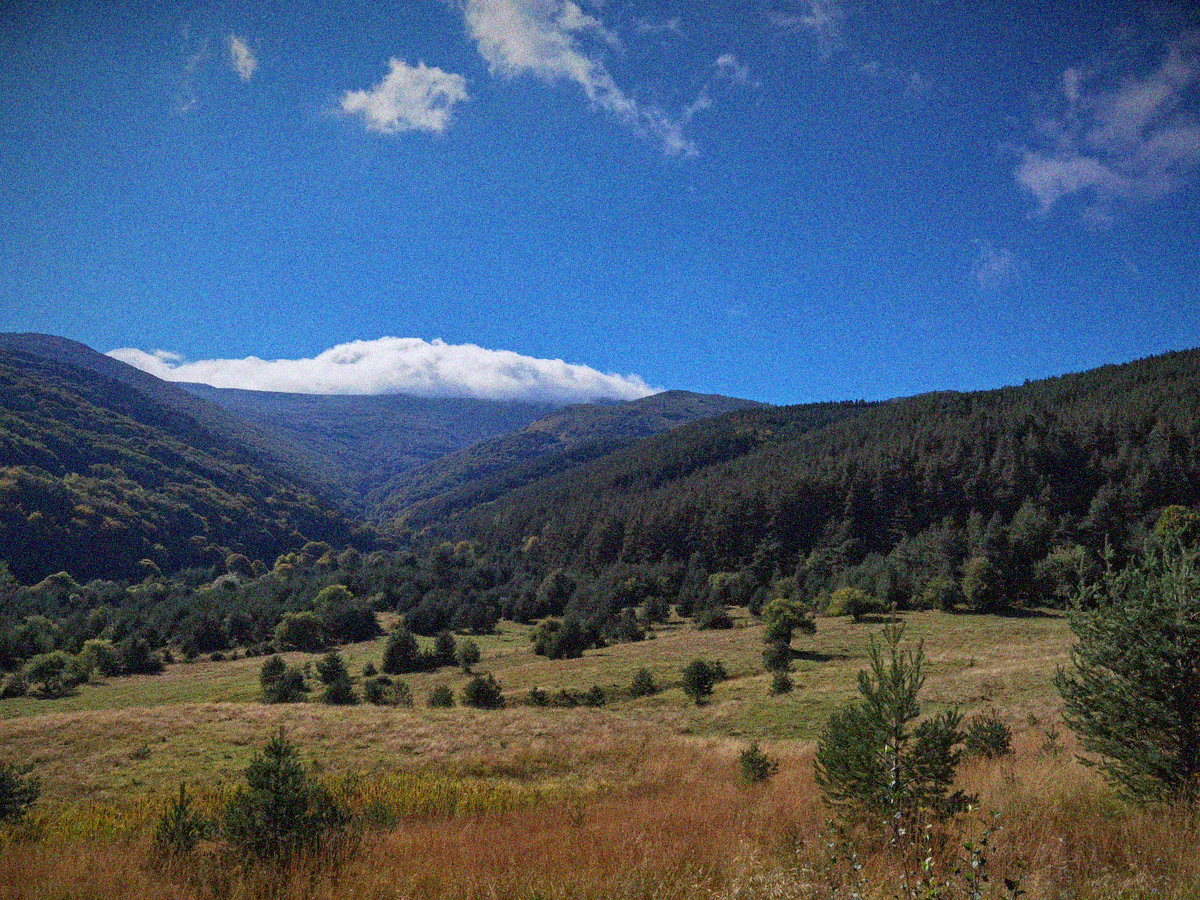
640 798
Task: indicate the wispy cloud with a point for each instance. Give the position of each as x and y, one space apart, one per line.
408 98
557 41
1112 137
726 70
400 366
241 57
995 267
672 26
728 67
186 97
821 19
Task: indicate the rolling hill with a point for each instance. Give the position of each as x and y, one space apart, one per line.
102 466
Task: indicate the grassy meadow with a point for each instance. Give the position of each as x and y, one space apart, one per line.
638 799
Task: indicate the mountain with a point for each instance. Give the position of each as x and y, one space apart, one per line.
102 466
566 437
896 498
360 442
106 465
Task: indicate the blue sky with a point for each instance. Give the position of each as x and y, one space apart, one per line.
785 200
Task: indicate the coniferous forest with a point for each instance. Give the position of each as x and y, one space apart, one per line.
130 514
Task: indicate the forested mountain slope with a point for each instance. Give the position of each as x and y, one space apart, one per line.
563 438
361 442
984 493
97 474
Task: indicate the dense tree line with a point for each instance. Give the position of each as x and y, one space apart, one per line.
985 499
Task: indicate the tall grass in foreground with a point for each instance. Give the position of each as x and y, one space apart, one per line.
683 828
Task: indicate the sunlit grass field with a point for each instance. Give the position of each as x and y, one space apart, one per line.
640 798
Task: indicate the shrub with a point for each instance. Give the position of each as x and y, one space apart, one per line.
560 639
378 690
14 686
715 618
179 829
441 697
983 584
270 672
281 684
483 692
100 656
382 691
369 670
18 791
643 684
538 697
303 631
565 699
781 683
445 652
756 766
698 680
782 617
468 655
849 601
941 593
340 692
777 657
281 810
330 668
1132 692
137 658
988 736
594 696
400 654
53 671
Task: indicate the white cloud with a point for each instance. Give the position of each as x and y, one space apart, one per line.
400 366
822 19
672 26
1114 137
557 41
242 58
727 66
408 99
186 97
995 267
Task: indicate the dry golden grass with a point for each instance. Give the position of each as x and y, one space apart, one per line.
639 800
678 825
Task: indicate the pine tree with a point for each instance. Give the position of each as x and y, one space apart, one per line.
281 810
1132 693
871 763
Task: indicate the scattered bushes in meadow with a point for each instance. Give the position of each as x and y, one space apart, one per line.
281 810
850 601
755 765
986 735
468 655
483 692
643 684
699 678
18 790
440 697
281 683
180 828
380 690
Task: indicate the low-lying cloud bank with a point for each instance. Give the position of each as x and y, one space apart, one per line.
400 366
